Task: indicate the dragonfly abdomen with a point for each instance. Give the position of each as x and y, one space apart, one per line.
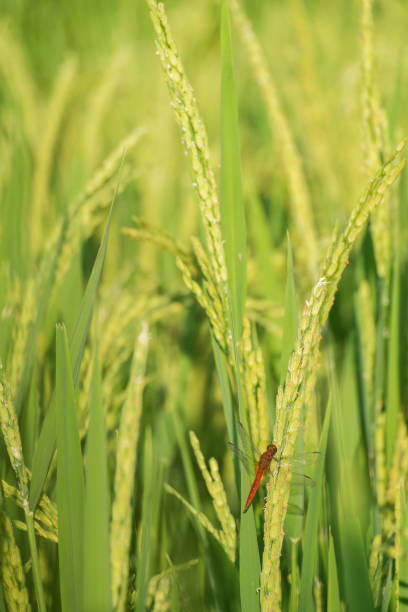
254 488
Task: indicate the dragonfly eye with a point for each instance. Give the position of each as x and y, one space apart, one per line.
272 448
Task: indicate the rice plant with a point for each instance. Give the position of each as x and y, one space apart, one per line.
202 257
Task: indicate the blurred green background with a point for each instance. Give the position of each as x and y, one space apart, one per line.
76 78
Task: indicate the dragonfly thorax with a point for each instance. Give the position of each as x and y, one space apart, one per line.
272 449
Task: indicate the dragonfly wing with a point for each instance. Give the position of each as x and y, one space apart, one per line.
301 480
299 460
295 509
243 458
249 447
298 480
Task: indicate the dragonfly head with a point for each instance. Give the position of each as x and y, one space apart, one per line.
272 448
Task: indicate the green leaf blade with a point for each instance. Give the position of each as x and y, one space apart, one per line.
97 578
310 546
233 224
393 368
333 592
46 441
70 479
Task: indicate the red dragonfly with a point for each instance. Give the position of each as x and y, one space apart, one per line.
263 464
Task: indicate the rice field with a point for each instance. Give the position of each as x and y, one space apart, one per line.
203 229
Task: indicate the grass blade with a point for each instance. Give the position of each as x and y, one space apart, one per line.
232 208
294 575
344 494
290 322
225 390
145 553
234 233
393 368
125 469
70 480
310 544
293 522
29 420
333 593
403 561
46 441
97 578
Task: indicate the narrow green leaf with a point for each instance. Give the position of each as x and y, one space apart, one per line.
2 602
15 208
7 321
364 385
310 542
234 234
333 592
260 228
290 321
293 522
232 208
46 441
393 368
382 290
387 590
294 578
97 579
145 552
29 420
351 419
345 484
70 480
222 372
179 424
403 561
261 240
250 565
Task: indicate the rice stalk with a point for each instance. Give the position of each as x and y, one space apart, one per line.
216 490
45 515
118 318
375 567
158 589
290 395
380 470
318 594
196 270
155 235
367 335
213 295
195 141
22 324
126 453
12 571
162 595
399 469
12 440
218 534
